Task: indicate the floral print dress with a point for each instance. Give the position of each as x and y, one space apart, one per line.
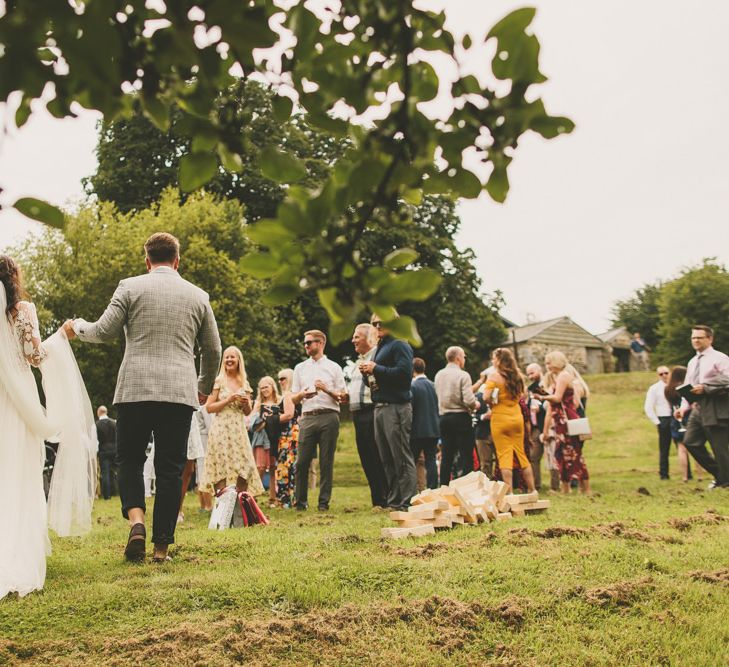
229 454
568 450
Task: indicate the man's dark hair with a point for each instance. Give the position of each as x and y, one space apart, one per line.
162 248
419 365
706 329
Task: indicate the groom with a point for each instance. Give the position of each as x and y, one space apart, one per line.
163 317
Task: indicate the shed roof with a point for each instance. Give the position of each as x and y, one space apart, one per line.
607 336
556 330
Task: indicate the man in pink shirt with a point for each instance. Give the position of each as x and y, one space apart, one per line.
708 372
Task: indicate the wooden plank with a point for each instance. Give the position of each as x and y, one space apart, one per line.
539 505
395 532
419 531
503 516
442 522
521 498
412 514
435 506
414 523
517 510
471 478
465 504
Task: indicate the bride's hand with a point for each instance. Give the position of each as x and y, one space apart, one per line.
67 327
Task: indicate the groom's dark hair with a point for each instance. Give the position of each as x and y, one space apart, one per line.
162 248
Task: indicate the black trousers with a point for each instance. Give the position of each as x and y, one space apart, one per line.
170 424
456 434
364 433
664 445
429 447
106 466
718 436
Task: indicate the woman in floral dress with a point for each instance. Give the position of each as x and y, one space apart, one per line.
568 450
229 457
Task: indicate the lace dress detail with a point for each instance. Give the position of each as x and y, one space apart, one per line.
28 332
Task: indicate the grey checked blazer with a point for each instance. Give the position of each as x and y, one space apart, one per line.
163 316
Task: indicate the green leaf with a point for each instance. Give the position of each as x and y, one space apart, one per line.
466 184
340 331
156 111
413 196
552 126
498 183
230 160
259 265
269 232
196 169
282 107
514 22
40 210
204 141
410 286
425 81
281 167
279 295
467 41
400 258
23 113
405 327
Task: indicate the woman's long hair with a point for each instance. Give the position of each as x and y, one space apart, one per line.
12 280
558 359
675 379
242 377
289 373
506 365
275 398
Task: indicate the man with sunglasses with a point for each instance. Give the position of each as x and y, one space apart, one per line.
318 385
658 410
389 376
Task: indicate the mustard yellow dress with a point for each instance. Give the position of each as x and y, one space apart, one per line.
507 427
229 454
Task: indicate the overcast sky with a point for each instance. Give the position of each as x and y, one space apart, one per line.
639 190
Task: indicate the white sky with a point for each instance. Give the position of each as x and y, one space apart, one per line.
639 190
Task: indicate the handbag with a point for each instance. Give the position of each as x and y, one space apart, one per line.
579 427
235 510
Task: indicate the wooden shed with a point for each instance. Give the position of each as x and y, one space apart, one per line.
617 344
532 342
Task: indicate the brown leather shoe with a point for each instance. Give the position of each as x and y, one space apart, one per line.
136 548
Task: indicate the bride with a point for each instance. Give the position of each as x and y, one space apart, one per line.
24 425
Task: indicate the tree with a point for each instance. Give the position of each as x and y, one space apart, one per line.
337 61
76 272
700 295
641 313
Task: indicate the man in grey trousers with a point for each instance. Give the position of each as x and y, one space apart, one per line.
389 376
163 319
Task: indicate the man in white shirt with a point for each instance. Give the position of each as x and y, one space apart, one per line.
708 372
658 410
318 385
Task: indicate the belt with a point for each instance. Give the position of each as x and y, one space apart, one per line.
320 411
384 405
364 407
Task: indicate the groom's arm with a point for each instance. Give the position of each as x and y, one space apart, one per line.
109 326
208 339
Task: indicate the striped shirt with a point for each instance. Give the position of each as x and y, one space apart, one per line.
359 390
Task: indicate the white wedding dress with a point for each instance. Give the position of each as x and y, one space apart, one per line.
24 424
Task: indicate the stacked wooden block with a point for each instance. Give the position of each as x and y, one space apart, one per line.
469 499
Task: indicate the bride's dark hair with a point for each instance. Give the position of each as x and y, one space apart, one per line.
12 281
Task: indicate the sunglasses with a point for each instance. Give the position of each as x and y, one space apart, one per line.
310 342
377 325
282 379
663 374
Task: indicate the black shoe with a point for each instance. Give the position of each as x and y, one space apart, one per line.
301 507
136 548
323 508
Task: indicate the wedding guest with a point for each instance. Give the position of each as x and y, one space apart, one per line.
362 410
229 458
389 375
318 385
676 378
426 428
195 452
537 413
507 420
568 451
639 350
582 391
273 411
482 434
708 373
106 433
287 445
456 401
659 412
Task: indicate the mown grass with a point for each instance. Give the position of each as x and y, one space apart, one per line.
622 577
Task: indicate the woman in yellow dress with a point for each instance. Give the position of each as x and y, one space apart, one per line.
229 457
507 422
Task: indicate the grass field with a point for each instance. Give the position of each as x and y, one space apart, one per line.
625 577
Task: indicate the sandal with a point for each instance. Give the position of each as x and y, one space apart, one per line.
162 559
135 550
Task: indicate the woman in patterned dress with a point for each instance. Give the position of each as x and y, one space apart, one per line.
287 446
568 451
229 457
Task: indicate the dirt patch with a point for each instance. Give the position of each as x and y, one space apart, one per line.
643 491
618 595
619 529
344 540
709 518
561 531
422 551
716 577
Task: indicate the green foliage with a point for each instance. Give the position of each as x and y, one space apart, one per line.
75 273
343 59
641 313
41 211
699 295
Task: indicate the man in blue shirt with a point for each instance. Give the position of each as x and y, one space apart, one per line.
639 350
389 375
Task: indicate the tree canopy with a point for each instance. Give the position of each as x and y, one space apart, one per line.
335 61
641 312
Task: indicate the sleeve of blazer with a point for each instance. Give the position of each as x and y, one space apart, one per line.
402 369
208 339
110 325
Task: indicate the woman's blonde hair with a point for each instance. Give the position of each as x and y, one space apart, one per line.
558 359
242 377
289 373
268 379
